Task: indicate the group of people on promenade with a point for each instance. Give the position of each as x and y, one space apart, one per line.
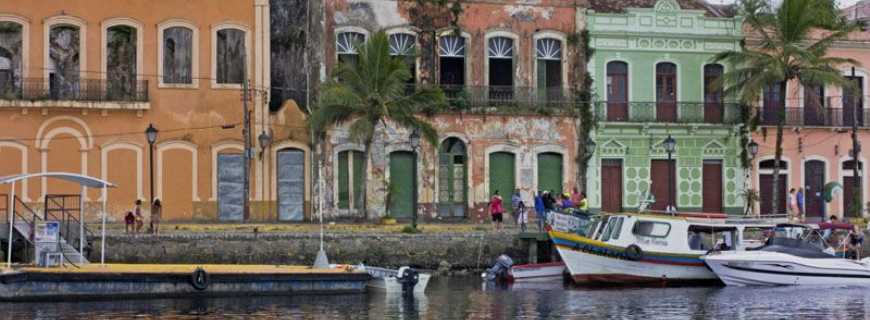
545 201
135 220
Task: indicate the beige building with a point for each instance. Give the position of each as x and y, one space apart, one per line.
81 80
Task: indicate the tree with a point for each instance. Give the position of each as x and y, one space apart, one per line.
790 42
373 91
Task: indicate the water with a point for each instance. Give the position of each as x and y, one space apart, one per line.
464 298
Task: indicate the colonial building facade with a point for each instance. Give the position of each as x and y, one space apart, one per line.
80 81
652 69
508 69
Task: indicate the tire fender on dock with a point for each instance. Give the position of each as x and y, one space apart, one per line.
199 279
633 252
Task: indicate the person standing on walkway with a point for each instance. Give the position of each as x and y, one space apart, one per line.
522 216
540 211
576 197
791 202
156 214
496 210
137 212
516 199
799 197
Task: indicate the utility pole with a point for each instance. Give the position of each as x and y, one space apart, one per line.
857 201
246 133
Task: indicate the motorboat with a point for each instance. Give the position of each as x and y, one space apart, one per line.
794 255
404 279
644 248
505 271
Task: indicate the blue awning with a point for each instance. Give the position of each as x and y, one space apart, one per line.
89 182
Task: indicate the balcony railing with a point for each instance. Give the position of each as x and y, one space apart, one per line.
86 90
510 99
814 117
668 112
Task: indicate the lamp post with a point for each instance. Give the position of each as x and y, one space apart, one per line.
670 145
265 140
589 148
753 152
151 136
856 150
414 140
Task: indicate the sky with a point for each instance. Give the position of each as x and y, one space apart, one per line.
843 3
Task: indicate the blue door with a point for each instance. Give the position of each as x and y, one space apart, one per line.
291 185
230 176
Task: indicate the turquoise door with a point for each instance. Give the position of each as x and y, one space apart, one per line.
401 203
230 186
502 176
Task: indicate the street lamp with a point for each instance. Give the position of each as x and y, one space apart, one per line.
590 147
670 145
265 141
151 136
753 149
414 140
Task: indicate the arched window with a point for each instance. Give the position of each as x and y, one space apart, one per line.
351 181
500 51
64 52
403 45
347 44
11 51
548 52
451 53
713 107
666 92
617 91
178 43
230 56
121 55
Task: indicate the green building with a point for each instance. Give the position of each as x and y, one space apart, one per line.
652 67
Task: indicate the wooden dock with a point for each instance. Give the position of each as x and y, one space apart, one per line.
174 280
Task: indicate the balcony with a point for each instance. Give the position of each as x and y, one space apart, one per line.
668 112
509 99
814 117
81 94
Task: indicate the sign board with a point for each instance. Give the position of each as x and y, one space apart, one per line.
563 222
48 231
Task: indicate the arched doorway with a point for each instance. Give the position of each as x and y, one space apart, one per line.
401 186
291 184
502 175
765 186
814 182
231 186
452 175
550 172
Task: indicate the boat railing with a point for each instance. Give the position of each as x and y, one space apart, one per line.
377 272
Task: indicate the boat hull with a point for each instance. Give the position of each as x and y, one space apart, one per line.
390 284
537 272
588 262
778 269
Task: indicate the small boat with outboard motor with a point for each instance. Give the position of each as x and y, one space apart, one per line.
504 270
404 279
648 248
794 255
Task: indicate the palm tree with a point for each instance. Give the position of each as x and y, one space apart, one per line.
791 43
373 91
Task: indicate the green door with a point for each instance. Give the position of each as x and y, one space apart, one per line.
401 184
452 178
501 176
550 172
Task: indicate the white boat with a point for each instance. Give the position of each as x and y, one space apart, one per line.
391 280
647 248
796 255
537 272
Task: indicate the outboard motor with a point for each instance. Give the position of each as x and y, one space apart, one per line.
408 278
499 270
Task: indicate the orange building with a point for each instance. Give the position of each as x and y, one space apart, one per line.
81 80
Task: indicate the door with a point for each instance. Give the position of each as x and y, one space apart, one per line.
550 172
611 185
662 180
849 197
231 182
666 92
713 107
291 185
617 91
774 104
502 176
402 184
853 103
712 192
766 193
814 98
814 181
452 174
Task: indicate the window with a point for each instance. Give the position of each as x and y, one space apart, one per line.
666 92
121 55
451 53
774 103
617 229
853 102
402 45
178 59
11 54
768 164
63 64
814 104
713 108
704 238
350 179
230 56
617 91
651 229
549 65
500 51
346 45
613 229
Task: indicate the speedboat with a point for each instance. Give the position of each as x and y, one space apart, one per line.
794 255
647 248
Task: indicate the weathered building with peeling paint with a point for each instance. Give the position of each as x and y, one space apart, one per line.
81 80
652 71
509 69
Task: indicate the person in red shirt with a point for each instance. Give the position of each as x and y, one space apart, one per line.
496 210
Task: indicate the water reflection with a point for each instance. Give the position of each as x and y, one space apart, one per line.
466 298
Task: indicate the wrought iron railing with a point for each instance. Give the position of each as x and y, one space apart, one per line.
814 117
95 90
510 99
669 112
